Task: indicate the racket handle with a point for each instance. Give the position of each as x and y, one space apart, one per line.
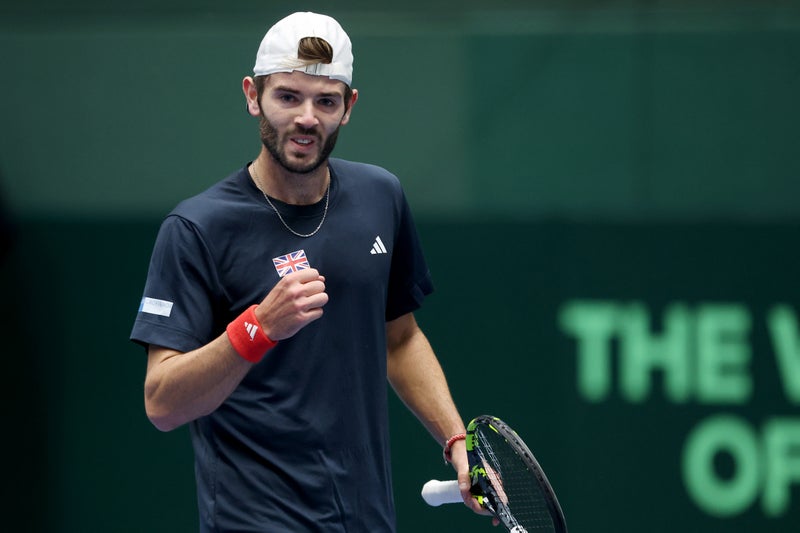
436 492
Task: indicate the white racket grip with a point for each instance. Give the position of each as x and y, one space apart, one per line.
436 493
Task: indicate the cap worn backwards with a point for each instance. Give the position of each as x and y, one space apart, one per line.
278 50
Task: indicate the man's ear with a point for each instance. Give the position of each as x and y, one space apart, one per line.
251 96
346 117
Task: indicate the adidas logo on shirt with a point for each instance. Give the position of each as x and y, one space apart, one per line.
251 329
378 247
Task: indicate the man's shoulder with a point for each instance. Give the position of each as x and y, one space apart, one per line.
345 169
213 201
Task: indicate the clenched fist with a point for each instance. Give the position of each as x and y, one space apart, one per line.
295 301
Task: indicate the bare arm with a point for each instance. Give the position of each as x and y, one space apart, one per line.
182 386
417 377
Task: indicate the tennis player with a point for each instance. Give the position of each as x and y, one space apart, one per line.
278 302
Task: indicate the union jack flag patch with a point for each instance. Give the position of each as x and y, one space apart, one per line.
291 262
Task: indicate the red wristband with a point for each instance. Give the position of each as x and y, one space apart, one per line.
247 336
449 444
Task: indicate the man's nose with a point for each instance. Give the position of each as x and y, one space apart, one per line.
307 117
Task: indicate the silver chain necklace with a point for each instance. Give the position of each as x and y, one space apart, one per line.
280 217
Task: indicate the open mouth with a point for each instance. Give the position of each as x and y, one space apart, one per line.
303 142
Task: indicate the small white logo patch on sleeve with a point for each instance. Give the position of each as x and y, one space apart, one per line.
155 307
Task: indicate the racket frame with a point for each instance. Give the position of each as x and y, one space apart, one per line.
488 495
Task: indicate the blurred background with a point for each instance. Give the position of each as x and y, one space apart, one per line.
607 193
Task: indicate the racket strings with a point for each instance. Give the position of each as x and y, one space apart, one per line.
516 484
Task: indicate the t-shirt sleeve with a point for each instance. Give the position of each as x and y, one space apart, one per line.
177 308
410 279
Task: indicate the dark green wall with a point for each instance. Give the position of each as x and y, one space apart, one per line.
621 110
606 192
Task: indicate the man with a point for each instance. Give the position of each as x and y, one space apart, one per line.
277 303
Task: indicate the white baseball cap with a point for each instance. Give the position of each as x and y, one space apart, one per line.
278 50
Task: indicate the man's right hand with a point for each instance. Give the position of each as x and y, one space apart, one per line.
294 302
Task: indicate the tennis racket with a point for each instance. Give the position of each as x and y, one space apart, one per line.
506 480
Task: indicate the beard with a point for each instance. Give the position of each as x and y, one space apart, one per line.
272 141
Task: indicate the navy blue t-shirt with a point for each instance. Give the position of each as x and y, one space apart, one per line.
302 444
